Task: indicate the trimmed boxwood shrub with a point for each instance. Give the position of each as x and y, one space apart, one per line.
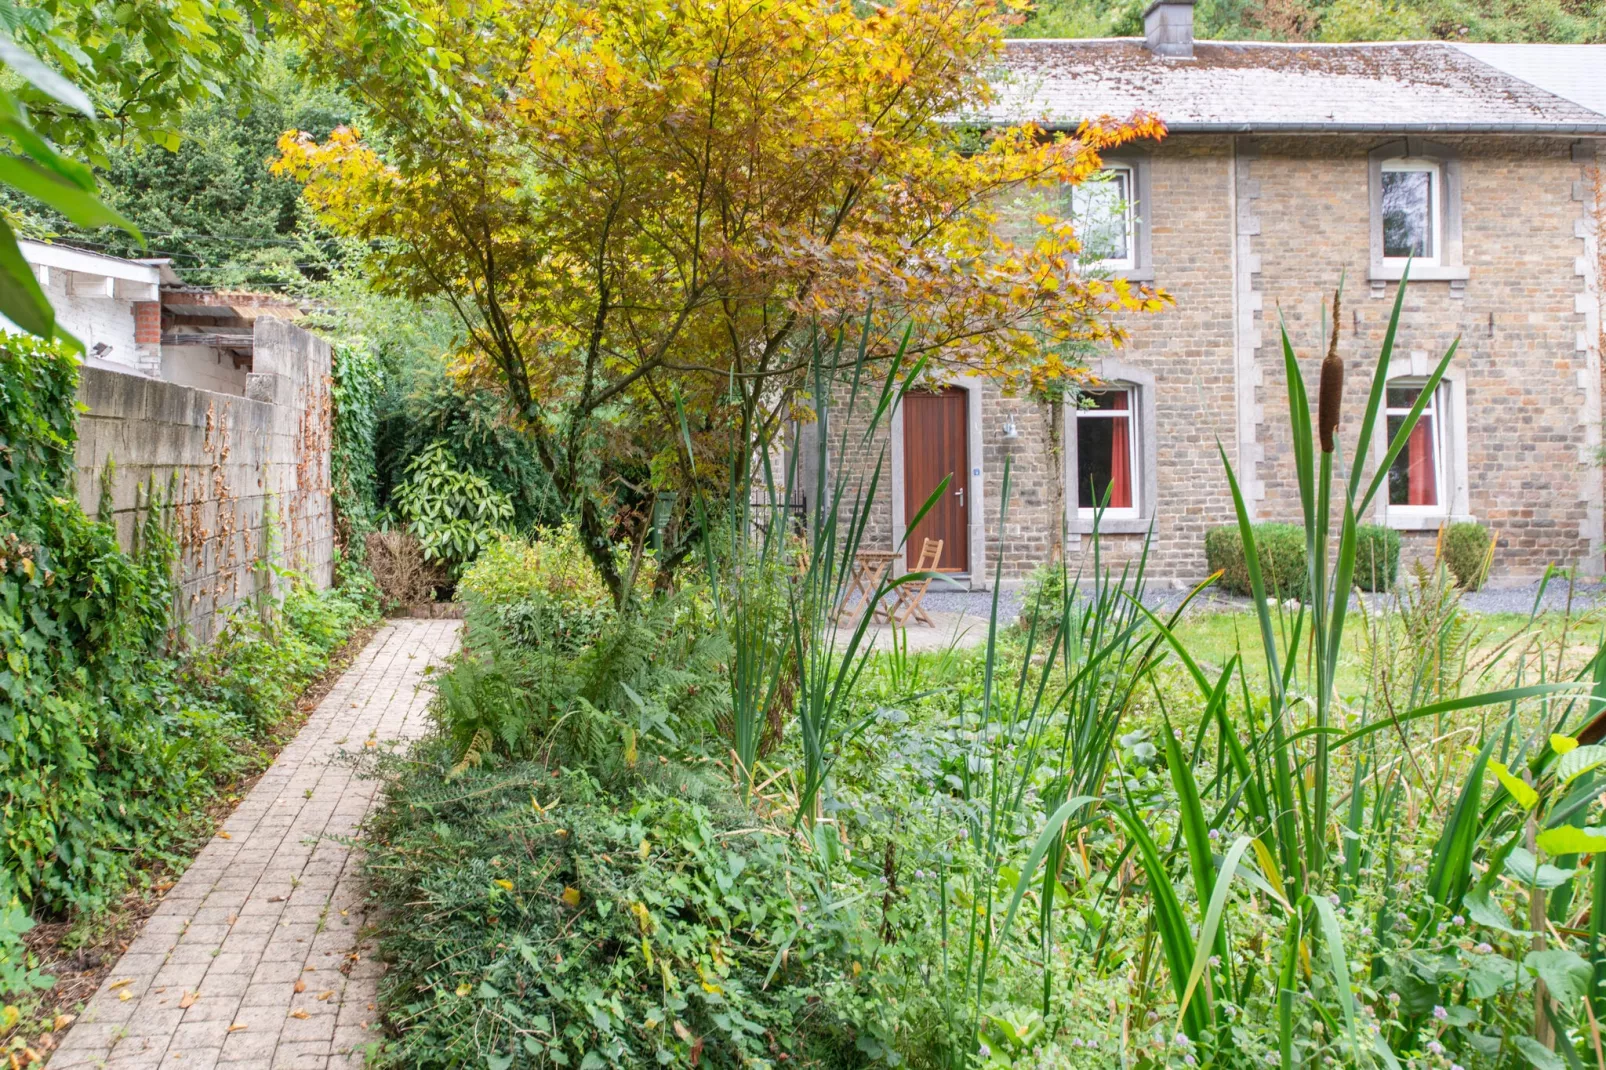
1377 557
1282 558
1464 548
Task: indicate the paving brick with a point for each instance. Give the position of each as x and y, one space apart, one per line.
261 910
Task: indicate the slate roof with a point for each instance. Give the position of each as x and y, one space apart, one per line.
1574 72
1233 87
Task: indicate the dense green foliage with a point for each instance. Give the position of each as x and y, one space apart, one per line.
453 512
1377 557
1282 558
110 744
1464 547
622 918
1283 562
1555 21
208 201
357 390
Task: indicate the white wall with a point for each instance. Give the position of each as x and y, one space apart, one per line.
202 367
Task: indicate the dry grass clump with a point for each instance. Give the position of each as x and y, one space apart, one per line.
397 562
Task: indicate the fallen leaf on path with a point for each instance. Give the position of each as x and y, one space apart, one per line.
188 1000
224 834
124 995
325 995
236 1027
299 1013
301 986
119 984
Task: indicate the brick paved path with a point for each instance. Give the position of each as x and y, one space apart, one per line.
252 960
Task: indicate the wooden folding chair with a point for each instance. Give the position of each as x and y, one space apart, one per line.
912 593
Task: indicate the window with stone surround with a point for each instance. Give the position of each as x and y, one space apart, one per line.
1411 196
1416 214
1109 455
1106 221
1426 483
1416 478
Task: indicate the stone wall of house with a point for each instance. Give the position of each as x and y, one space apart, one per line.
1247 232
247 478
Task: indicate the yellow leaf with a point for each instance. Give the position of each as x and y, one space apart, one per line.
571 897
506 886
464 989
645 849
187 1000
237 1026
1563 744
299 1013
123 995
1526 796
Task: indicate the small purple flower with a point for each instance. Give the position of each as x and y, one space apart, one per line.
1435 1047
1441 1014
1459 920
985 1052
1484 949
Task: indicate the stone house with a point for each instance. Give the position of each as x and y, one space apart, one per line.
1287 167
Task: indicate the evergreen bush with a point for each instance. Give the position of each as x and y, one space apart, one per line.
1282 558
1377 557
1464 548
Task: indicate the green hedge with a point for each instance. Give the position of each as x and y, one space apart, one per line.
1282 558
1464 548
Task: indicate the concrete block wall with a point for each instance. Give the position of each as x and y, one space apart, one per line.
1247 233
248 476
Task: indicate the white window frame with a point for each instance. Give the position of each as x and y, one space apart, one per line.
1434 409
1129 221
1134 447
1450 442
1435 206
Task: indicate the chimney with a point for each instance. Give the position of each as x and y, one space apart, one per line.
1168 28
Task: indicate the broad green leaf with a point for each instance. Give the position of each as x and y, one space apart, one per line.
1538 1056
1525 795
1482 908
42 78
72 201
21 300
1578 761
1525 868
1564 972
1569 840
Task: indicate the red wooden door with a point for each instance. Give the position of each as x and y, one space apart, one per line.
936 446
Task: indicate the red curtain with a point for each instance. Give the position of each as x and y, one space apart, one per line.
1120 457
1420 486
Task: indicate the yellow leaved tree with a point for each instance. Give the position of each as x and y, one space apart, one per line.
635 201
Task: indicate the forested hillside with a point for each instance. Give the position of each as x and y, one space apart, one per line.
1553 21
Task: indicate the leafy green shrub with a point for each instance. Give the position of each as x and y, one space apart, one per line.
1377 557
1464 549
1045 595
1282 559
356 389
624 919
454 512
544 592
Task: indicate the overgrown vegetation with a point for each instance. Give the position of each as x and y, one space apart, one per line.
113 741
1083 844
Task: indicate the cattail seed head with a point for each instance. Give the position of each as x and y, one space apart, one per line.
1331 393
